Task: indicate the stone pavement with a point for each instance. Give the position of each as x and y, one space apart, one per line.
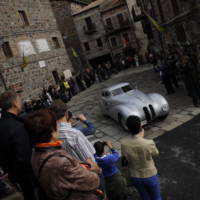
88 102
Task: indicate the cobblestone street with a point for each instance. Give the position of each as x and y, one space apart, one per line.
88 102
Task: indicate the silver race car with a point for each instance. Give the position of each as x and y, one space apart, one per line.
121 101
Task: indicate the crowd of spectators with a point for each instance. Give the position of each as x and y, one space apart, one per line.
44 151
65 89
175 64
47 158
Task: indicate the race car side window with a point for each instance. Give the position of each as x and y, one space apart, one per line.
126 88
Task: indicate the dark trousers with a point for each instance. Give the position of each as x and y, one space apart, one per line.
149 188
28 190
2 187
27 185
174 80
168 84
116 187
193 89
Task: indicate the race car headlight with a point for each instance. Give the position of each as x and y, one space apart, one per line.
165 107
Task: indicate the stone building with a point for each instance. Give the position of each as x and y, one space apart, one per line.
105 30
120 31
180 18
32 53
91 32
63 11
140 32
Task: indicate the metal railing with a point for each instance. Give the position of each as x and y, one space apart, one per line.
90 29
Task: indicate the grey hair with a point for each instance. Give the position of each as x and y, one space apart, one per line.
7 99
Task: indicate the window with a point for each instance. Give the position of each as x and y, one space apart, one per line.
180 33
126 37
106 94
175 7
7 50
42 45
87 46
99 42
55 41
23 17
126 88
160 8
88 22
56 76
26 48
138 2
113 42
120 18
109 23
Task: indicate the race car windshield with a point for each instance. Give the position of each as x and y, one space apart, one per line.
126 88
121 90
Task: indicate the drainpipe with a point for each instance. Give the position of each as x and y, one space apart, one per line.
3 81
1 74
159 34
106 37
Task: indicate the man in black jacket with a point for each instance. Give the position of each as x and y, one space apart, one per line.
15 149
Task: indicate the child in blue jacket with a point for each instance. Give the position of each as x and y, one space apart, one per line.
114 182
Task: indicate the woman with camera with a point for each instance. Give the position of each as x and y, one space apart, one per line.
114 182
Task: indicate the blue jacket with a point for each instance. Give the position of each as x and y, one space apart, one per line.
108 163
88 130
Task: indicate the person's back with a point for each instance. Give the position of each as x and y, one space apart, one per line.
60 175
15 149
107 161
74 141
139 153
8 124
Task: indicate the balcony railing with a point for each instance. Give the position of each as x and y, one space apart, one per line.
123 25
90 29
109 29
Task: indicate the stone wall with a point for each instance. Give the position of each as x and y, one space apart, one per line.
140 35
42 25
63 14
187 17
98 15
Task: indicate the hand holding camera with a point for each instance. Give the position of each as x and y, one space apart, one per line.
109 144
81 117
